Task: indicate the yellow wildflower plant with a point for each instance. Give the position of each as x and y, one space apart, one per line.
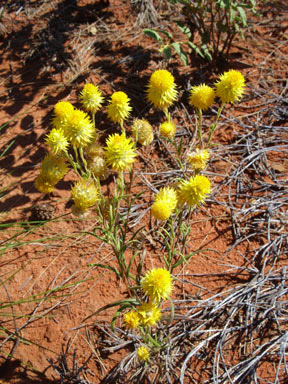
164 204
149 314
57 141
85 194
119 152
142 131
230 86
80 130
94 150
62 111
198 159
53 168
143 353
119 108
43 185
162 90
91 98
131 320
168 129
157 284
202 97
194 191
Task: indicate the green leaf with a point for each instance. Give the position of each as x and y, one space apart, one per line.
184 28
168 34
167 53
206 52
153 34
105 267
196 49
243 16
181 53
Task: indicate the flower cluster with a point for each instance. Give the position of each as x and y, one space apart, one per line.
157 286
164 204
162 90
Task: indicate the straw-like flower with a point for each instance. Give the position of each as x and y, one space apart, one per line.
164 204
53 169
98 167
162 90
119 108
157 284
168 129
84 194
131 320
194 191
62 111
57 141
230 86
80 130
143 353
142 131
119 152
202 97
91 98
149 314
198 159
43 185
94 150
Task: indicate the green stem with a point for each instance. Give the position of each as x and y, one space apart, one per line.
214 126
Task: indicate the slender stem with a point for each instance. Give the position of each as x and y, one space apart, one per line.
214 126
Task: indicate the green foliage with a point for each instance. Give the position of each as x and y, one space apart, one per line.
208 28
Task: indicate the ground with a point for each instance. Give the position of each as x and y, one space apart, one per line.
50 282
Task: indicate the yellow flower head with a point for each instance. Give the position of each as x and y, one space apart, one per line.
120 152
57 141
62 111
53 168
84 194
149 314
131 320
164 204
202 97
157 284
119 108
80 130
91 98
198 159
194 191
142 131
162 90
230 86
143 353
98 167
42 185
168 129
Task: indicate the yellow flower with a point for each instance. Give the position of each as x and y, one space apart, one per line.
194 191
198 159
94 150
157 284
164 204
62 111
131 320
149 314
162 90
98 167
142 131
202 97
119 109
168 129
57 141
42 185
143 353
53 168
230 86
80 130
120 152
91 98
84 194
